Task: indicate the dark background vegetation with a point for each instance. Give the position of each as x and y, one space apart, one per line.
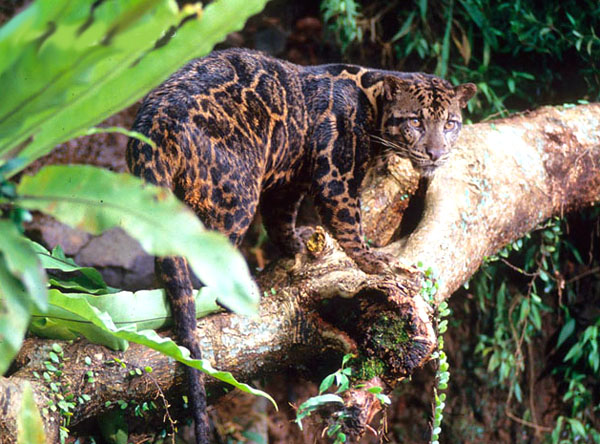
523 342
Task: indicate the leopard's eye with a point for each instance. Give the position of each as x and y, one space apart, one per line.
450 125
414 122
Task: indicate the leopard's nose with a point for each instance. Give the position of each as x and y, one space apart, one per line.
434 153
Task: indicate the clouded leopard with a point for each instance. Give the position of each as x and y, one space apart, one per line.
238 132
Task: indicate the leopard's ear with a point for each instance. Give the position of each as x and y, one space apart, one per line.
464 93
393 84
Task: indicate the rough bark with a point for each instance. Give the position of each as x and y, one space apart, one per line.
503 180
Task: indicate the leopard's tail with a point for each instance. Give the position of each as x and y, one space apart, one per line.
175 276
153 165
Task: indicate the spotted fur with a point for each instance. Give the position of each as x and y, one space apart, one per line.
239 132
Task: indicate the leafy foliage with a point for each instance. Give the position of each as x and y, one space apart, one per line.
22 287
442 374
151 214
64 67
79 306
29 421
342 16
520 54
515 318
342 378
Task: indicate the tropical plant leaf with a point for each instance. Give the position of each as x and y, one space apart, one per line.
566 331
30 428
14 315
65 66
60 61
314 403
117 129
162 224
149 338
23 263
144 309
22 286
86 279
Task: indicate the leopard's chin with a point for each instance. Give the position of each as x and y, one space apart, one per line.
426 169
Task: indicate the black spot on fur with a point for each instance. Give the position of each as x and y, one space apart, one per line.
322 167
336 188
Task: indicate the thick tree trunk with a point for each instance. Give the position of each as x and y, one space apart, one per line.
503 180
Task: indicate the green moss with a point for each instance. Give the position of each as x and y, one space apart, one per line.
371 368
389 332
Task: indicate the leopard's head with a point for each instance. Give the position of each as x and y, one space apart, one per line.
421 118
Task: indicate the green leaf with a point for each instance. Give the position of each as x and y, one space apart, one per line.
590 333
534 316
22 286
346 358
333 429
95 61
312 404
326 383
565 332
342 381
383 399
117 129
577 427
149 338
442 67
375 390
405 28
594 361
78 278
423 9
22 263
574 353
95 200
494 362
518 394
83 48
29 422
511 85
143 309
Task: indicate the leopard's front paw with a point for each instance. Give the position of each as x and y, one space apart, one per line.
374 262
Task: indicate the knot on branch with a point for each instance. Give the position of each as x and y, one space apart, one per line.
383 317
391 328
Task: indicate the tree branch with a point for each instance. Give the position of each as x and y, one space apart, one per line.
504 179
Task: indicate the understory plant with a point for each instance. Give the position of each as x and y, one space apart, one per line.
513 314
343 380
64 67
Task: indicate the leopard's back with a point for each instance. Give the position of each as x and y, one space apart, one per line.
226 127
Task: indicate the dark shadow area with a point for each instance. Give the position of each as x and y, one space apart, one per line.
414 212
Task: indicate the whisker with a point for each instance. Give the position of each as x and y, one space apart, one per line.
387 143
